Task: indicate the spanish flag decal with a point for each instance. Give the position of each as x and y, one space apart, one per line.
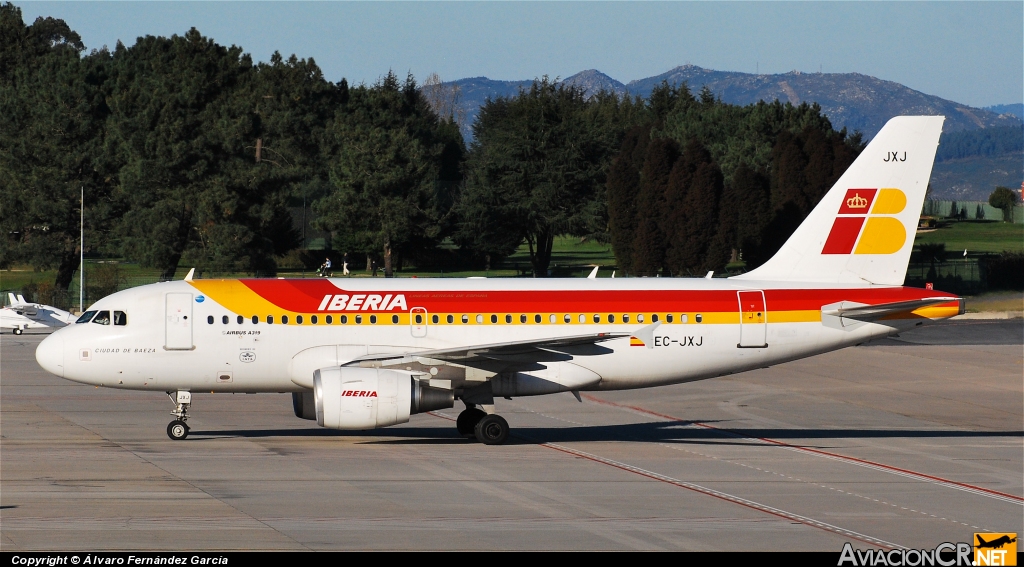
633 341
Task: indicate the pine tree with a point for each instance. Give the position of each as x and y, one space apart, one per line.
649 243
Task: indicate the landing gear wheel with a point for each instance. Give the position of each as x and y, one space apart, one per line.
177 430
492 430
466 423
18 331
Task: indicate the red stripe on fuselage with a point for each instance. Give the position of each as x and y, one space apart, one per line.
306 295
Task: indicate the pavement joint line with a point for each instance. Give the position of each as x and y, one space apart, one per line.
720 495
193 486
814 484
778 512
675 448
987 492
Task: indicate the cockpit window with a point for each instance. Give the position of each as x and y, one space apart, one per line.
120 318
86 317
102 318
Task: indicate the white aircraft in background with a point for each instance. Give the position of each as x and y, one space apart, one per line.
361 354
20 315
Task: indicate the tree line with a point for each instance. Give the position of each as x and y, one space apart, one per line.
189 152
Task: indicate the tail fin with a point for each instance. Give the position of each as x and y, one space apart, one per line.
863 229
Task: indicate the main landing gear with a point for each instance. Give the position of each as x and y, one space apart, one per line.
489 429
178 429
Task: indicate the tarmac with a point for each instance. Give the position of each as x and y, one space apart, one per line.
906 442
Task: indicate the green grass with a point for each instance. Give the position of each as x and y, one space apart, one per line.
976 236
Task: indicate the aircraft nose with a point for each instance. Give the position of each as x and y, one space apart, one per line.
50 354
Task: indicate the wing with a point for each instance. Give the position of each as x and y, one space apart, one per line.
516 355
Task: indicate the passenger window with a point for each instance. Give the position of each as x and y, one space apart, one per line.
102 318
668 318
508 319
536 318
312 319
450 319
224 319
683 318
567 318
597 318
240 319
551 318
625 318
522 318
419 319
270 319
640 318
479 319
86 317
654 318
373 319
284 319
209 319
329 319
255 319
699 318
298 319
611 318
394 319
583 318
344 319
359 319
465 319
494 318
434 319
120 318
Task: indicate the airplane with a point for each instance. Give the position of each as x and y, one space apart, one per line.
361 354
20 315
994 544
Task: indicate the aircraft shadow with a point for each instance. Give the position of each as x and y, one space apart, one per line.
664 432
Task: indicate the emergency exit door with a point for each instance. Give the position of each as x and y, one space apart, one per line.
178 321
753 320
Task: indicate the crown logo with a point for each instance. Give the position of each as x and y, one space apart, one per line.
857 202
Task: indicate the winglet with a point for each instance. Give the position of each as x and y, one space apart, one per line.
593 274
188 276
644 336
21 299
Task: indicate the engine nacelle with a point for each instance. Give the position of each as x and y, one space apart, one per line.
367 398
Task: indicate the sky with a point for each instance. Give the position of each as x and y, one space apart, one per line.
969 52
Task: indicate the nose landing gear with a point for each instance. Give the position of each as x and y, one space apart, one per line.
178 429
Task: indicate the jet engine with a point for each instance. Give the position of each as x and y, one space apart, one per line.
366 398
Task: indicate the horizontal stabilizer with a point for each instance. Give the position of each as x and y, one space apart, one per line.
850 313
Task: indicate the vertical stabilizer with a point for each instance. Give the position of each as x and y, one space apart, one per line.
863 229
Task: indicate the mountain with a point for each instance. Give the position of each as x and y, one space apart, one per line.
850 100
1011 109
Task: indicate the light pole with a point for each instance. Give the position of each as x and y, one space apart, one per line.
81 250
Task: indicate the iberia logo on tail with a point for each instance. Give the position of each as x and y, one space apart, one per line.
866 223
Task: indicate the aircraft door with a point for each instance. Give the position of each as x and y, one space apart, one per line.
178 322
418 321
753 320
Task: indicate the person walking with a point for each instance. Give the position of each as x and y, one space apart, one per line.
344 264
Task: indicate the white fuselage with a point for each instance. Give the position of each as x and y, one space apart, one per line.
225 355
